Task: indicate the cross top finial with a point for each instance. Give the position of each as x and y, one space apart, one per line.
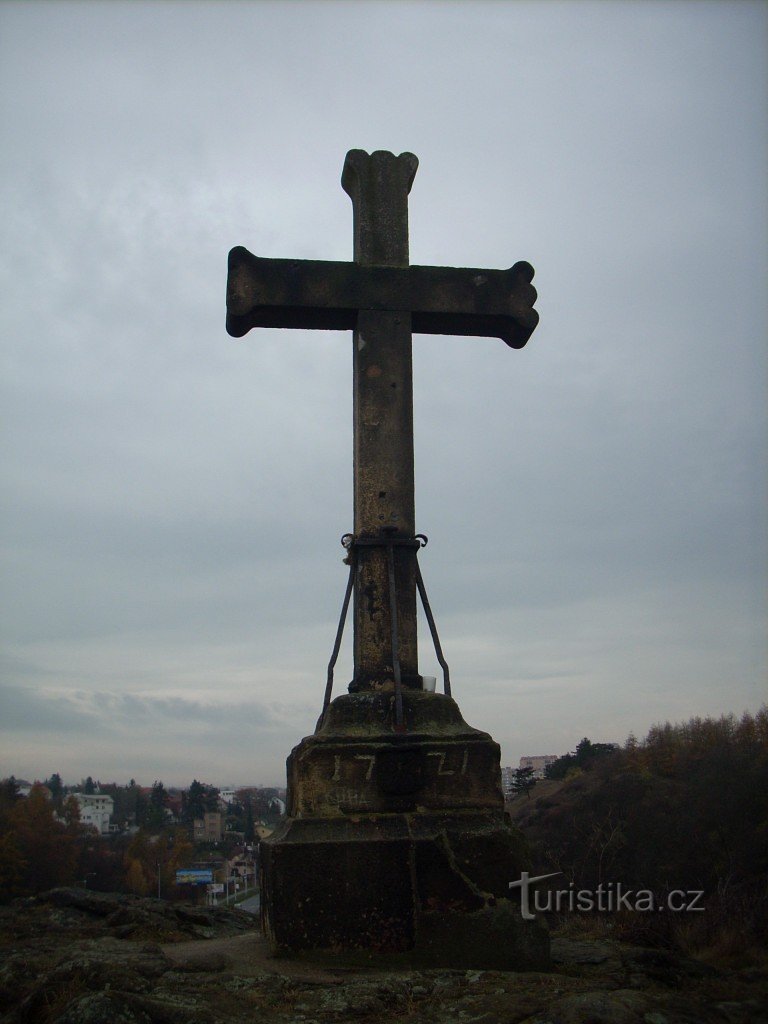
378 185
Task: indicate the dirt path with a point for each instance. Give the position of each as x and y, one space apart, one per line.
248 956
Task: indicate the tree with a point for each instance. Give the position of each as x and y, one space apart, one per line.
13 867
523 780
42 853
158 800
194 801
135 879
199 798
122 801
263 801
89 786
685 808
71 812
250 830
9 795
141 806
583 752
585 755
559 769
158 857
56 787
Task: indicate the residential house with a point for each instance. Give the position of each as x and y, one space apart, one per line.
209 828
95 810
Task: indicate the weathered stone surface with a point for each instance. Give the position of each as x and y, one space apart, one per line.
123 916
398 843
393 884
79 974
621 1007
321 295
356 763
383 483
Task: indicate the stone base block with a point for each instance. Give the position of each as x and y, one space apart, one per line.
356 764
433 888
396 843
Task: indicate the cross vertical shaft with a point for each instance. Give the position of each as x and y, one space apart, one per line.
378 185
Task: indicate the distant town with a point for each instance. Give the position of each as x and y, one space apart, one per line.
213 812
198 843
112 808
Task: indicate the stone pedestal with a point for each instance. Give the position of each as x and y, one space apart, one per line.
397 843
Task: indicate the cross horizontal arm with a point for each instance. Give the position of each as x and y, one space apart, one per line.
318 294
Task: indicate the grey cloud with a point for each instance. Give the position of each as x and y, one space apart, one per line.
28 709
174 498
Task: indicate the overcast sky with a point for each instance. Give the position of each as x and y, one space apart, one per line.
173 499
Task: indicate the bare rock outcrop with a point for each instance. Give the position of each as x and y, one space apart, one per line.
76 957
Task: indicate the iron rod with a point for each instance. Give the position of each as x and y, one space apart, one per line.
340 630
433 631
395 640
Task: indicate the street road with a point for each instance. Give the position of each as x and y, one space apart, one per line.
252 905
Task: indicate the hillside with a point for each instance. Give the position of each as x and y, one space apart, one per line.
684 811
520 806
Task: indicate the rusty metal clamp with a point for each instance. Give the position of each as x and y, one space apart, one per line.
390 542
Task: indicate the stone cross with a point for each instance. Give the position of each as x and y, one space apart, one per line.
383 300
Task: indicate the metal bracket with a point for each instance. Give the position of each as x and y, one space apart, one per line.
390 542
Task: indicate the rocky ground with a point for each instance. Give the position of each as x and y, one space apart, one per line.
77 957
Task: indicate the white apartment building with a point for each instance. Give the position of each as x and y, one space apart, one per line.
95 810
538 762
